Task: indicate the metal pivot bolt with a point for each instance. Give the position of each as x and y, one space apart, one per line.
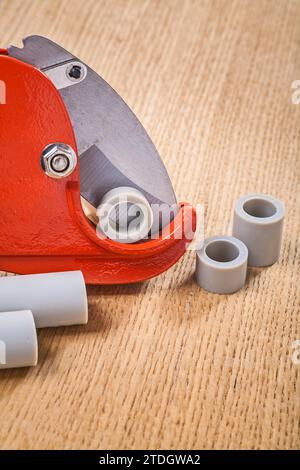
58 160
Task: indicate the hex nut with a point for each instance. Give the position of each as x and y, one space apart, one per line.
51 153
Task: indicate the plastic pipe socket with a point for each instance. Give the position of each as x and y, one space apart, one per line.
258 222
55 299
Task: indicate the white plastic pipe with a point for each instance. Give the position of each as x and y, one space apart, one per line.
55 299
18 340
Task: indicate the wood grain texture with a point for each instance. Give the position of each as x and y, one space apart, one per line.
164 364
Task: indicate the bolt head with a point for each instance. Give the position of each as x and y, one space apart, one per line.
59 163
76 71
58 160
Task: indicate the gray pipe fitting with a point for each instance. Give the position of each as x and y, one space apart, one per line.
258 222
221 265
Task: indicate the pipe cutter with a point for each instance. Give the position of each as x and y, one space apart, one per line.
67 141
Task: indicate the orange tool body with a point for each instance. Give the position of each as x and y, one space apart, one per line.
42 225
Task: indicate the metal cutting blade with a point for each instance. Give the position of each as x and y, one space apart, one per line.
114 148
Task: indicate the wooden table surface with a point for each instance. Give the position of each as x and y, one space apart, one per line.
164 364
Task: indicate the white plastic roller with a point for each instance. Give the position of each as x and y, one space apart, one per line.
18 340
55 299
124 215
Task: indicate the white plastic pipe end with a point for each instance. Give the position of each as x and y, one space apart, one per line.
18 340
55 299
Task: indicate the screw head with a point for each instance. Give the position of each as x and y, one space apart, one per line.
58 160
76 71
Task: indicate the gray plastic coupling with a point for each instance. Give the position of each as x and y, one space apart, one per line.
221 264
258 222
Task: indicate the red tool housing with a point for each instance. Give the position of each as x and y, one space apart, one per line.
42 224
